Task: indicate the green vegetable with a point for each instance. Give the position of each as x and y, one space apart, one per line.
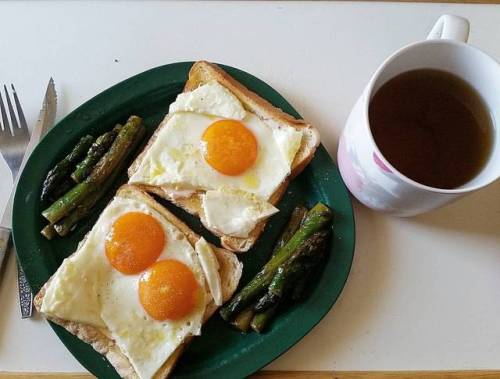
119 149
261 319
49 232
242 320
102 170
63 169
296 218
290 272
61 189
299 289
316 219
68 202
281 281
96 151
64 226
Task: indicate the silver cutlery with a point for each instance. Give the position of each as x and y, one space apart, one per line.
16 150
14 136
13 142
44 124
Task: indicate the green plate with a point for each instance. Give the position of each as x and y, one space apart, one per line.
221 351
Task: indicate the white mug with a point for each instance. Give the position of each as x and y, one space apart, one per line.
367 174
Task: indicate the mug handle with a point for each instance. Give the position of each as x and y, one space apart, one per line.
450 27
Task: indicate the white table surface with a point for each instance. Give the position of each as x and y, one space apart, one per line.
424 293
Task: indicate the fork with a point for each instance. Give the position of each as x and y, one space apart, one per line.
14 137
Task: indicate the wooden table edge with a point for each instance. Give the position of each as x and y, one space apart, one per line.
455 374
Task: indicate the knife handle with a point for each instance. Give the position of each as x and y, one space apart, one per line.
4 246
25 293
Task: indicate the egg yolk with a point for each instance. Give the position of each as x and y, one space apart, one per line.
135 243
168 290
230 147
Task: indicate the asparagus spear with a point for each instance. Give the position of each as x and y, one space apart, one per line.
48 232
287 275
298 215
317 218
64 226
300 284
284 276
290 275
68 202
296 218
300 287
96 151
242 320
61 189
62 169
261 319
102 170
118 150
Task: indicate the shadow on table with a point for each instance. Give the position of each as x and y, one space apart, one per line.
477 213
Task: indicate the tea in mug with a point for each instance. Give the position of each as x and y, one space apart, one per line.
432 126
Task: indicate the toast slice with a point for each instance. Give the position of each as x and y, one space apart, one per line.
202 73
229 270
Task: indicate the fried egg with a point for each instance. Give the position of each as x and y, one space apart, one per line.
209 142
137 278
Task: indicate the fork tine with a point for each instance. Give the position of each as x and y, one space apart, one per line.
20 113
4 133
12 114
5 121
13 139
20 134
2 130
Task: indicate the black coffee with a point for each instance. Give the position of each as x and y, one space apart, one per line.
432 126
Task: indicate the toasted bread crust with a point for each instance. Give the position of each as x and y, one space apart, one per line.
201 73
230 272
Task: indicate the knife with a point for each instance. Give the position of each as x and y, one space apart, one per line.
45 121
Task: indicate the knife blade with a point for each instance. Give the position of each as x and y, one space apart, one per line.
45 122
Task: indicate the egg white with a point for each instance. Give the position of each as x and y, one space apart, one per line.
176 156
86 288
175 159
233 212
211 99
